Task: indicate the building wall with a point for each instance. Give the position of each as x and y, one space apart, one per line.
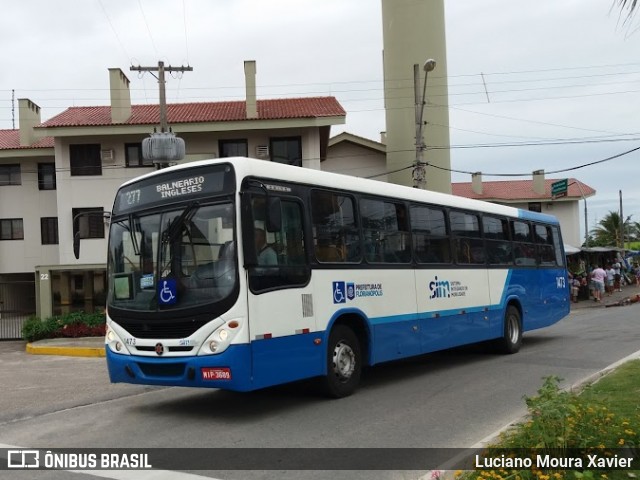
351 159
27 202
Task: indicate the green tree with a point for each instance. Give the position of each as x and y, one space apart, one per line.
607 233
626 5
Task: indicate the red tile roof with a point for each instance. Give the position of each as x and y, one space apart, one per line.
286 108
518 190
10 140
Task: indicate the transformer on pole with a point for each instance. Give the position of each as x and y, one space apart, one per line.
163 147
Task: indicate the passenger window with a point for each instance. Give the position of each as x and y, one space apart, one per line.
546 250
523 247
467 241
385 232
429 232
335 232
496 235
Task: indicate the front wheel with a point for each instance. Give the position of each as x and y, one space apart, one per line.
512 335
344 362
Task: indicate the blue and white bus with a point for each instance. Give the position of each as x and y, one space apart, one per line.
361 272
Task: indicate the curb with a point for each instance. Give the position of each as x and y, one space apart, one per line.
65 351
577 387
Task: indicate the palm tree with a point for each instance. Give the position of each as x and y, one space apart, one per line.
607 233
629 5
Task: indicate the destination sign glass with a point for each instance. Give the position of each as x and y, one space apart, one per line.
174 187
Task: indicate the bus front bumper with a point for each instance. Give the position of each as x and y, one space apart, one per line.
229 370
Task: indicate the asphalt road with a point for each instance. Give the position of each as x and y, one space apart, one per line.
448 399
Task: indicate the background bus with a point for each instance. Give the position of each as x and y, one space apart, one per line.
362 272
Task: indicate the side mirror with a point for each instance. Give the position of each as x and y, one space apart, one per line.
76 245
274 215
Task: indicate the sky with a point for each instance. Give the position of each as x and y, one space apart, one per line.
551 84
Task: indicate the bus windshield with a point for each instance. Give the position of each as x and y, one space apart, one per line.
176 259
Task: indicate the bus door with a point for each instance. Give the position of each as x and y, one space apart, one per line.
526 276
280 301
554 288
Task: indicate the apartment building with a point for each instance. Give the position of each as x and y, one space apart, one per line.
74 162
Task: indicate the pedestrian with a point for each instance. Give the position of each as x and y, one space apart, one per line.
610 279
616 278
575 289
599 277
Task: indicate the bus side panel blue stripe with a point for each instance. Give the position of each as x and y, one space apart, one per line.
286 359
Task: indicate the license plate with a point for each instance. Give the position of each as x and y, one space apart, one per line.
216 373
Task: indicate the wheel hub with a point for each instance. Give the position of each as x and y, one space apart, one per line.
344 361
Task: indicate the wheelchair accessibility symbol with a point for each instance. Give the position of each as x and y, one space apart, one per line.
339 292
167 291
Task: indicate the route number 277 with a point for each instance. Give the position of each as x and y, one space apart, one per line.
560 282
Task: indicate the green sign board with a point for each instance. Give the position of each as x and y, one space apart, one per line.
559 188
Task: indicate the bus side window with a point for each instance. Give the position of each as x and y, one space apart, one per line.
335 233
429 232
467 240
523 246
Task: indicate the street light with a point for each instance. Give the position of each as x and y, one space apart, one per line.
586 223
418 170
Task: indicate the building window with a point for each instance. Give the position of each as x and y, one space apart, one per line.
85 159
133 156
49 230
535 206
90 224
10 175
233 148
47 176
11 229
287 150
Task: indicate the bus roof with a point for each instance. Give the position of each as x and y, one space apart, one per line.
264 169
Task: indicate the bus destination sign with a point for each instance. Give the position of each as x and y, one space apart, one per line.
177 186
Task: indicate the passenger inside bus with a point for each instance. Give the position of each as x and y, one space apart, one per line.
266 254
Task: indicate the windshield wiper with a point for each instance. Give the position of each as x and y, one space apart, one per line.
175 227
129 227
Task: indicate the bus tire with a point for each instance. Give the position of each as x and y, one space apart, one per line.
344 363
512 336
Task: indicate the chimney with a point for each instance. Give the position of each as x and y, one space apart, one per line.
28 117
120 96
250 85
476 182
538 182
383 138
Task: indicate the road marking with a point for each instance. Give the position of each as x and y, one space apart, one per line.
124 474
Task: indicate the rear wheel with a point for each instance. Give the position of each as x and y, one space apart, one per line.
512 335
344 362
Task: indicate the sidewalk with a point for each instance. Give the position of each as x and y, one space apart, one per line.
628 291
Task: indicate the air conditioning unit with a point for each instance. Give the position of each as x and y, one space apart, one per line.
107 155
262 151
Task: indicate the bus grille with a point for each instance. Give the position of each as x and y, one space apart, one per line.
162 369
176 329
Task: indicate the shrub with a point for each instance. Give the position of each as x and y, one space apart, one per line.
71 325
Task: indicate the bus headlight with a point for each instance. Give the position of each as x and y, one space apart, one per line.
220 338
114 343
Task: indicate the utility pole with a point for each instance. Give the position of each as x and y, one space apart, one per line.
419 180
162 147
161 69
